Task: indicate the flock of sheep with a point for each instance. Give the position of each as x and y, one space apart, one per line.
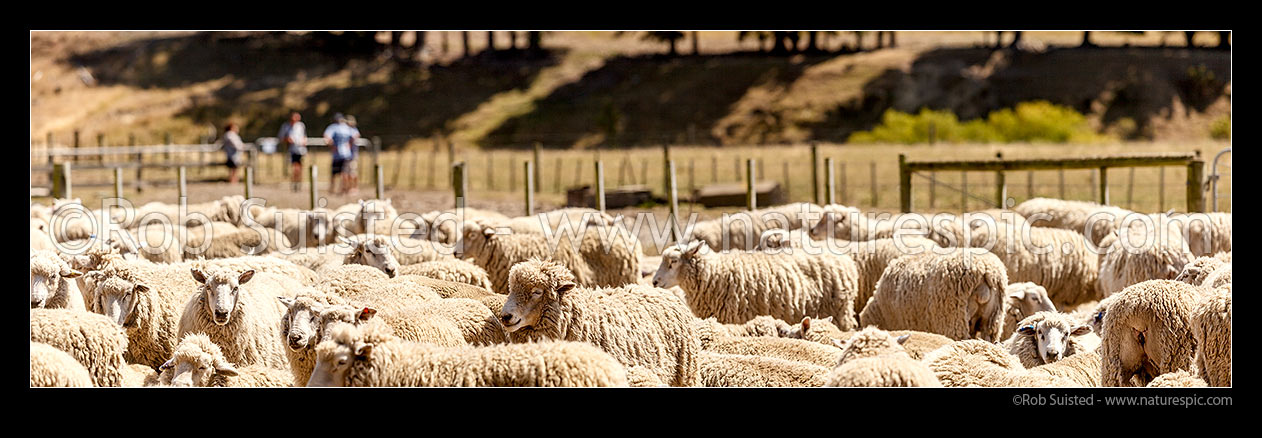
1051 293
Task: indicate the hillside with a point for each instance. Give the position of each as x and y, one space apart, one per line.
592 88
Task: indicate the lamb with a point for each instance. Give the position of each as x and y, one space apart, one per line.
957 295
1047 337
93 340
875 358
244 320
369 355
743 229
138 376
198 362
736 287
739 370
796 350
597 258
1148 253
147 302
977 363
1211 329
1177 379
1147 332
638 325
51 284
1073 215
1022 300
1058 260
455 270
1083 369
53 368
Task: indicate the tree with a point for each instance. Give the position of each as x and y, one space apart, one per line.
464 41
1016 38
669 37
490 41
1086 40
696 45
1187 38
533 41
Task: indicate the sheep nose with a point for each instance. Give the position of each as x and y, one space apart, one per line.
219 314
390 272
506 318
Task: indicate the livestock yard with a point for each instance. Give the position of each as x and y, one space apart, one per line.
762 247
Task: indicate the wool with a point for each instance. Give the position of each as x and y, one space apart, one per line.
199 362
738 370
52 282
595 261
958 295
53 368
252 334
1147 332
93 340
1211 329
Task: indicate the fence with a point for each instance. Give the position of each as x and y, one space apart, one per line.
1195 174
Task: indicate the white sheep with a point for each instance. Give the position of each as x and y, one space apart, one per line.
1047 337
243 319
638 325
146 301
1022 300
303 228
53 368
52 284
978 363
1147 332
1083 369
1058 260
848 223
958 295
369 355
796 350
601 256
1177 379
738 286
1137 253
875 358
1211 328
1073 215
454 270
199 362
739 370
742 230
95 341
244 242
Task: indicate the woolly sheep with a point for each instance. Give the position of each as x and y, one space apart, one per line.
40 239
1177 379
741 230
875 358
1219 278
441 226
738 370
1047 337
138 376
977 363
599 257
1139 253
1209 234
242 318
147 302
476 323
369 355
455 270
1211 328
1083 369
638 325
641 377
848 223
369 286
303 228
1147 332
917 344
198 362
404 250
93 340
572 218
53 368
1058 260
957 295
448 289
1196 271
738 286
796 350
242 243
1073 215
1022 300
51 283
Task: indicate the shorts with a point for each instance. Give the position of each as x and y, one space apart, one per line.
296 158
232 164
344 166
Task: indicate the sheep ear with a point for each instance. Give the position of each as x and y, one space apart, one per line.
1027 330
288 302
828 319
1016 292
488 231
365 314
363 350
166 365
1080 330
225 368
140 289
902 339
693 248
245 277
565 287
70 273
806 324
199 275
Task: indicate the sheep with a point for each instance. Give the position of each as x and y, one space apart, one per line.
848 223
736 287
271 265
1058 260
53 368
554 220
959 231
957 295
598 257
455 270
242 243
448 289
51 284
1177 379
476 323
226 209
1219 278
197 235
1196 271
641 377
242 318
1083 369
1047 337
303 228
978 363
199 362
1073 215
1147 332
1209 234
95 341
819 330
796 350
139 376
1138 253
442 226
743 229
761 325
369 355
638 325
369 286
739 370
1022 300
917 344
147 302
404 250
1211 329
875 358
40 239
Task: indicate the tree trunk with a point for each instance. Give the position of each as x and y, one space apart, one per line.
464 42
812 41
858 41
1188 37
533 40
1016 38
671 44
512 40
1086 40
420 43
490 41
696 45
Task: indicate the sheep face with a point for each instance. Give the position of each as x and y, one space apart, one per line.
673 259
220 292
319 228
47 275
474 239
1051 336
195 364
336 356
305 320
374 252
116 298
1030 298
534 286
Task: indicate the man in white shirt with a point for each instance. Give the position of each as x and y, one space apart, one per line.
341 140
293 134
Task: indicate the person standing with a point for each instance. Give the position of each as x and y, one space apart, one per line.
293 134
233 149
353 175
341 140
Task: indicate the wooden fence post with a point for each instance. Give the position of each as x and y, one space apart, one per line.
751 194
249 181
815 172
666 163
1130 190
1195 186
76 145
380 180
530 185
1061 183
1161 189
1104 186
118 182
963 191
829 181
842 195
788 187
459 183
875 200
538 180
313 173
181 174
904 184
714 168
672 195
600 185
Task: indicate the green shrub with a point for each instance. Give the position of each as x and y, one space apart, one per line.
1221 129
1038 121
